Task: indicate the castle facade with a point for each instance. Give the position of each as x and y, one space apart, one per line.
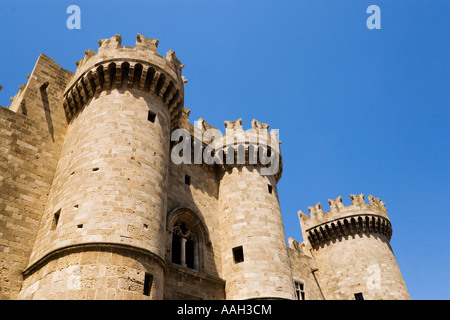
108 191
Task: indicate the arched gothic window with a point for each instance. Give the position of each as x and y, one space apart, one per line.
187 239
184 246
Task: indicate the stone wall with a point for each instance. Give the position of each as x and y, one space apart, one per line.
187 284
303 270
32 131
40 99
201 197
27 164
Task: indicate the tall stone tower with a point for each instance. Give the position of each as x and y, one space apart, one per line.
351 249
255 261
107 205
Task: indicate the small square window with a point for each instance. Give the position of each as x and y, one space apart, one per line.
359 296
187 179
55 219
151 116
148 281
270 188
300 290
238 254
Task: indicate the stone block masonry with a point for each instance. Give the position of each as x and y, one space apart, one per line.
27 164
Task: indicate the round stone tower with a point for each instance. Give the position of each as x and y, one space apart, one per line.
103 231
351 247
255 262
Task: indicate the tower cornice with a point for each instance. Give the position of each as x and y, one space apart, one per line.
116 66
255 147
360 217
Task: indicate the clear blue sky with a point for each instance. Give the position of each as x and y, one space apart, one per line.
358 110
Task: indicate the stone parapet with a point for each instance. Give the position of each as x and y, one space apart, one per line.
360 217
116 66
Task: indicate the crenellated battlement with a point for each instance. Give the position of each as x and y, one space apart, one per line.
145 50
256 146
259 134
120 67
237 147
341 220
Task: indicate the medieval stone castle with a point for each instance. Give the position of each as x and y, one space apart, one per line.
93 207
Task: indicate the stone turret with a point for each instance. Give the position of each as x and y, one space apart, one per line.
108 201
255 261
351 246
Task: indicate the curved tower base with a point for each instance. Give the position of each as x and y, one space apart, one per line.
95 272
